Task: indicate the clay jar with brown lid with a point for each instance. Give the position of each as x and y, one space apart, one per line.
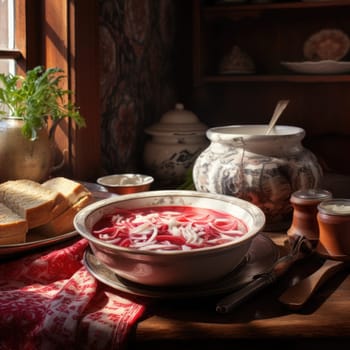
334 228
304 220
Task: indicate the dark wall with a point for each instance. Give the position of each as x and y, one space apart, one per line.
142 55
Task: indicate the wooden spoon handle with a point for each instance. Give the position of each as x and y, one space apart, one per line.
296 296
281 105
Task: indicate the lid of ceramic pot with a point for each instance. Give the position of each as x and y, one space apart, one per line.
178 120
337 206
312 194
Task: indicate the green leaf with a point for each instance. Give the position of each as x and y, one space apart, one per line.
37 97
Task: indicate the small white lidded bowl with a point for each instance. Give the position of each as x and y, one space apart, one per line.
126 183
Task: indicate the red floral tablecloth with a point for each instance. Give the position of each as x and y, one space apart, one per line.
49 300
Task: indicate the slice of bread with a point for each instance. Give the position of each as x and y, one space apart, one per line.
31 201
63 223
45 210
71 190
13 228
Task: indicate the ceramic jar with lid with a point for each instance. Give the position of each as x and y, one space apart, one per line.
244 162
304 203
334 228
176 141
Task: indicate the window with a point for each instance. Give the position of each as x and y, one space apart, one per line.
60 33
7 41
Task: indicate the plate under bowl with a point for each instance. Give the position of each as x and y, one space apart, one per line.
261 256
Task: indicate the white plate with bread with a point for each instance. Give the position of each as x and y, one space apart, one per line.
35 214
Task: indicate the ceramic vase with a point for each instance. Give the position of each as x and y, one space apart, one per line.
174 144
21 158
244 162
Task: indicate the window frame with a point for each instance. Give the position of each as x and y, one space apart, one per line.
64 33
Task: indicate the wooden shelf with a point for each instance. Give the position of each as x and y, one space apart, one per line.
213 36
224 8
238 11
277 78
270 33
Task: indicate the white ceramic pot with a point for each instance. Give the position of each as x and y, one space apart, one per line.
264 169
176 141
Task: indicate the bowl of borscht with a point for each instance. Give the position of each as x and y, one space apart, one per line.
170 237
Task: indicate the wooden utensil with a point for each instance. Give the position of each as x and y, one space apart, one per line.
295 297
280 107
300 248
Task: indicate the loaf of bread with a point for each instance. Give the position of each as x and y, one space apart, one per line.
13 228
30 200
49 208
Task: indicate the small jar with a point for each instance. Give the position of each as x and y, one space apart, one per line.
334 228
304 222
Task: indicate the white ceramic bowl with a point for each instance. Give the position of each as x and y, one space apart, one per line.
157 268
126 183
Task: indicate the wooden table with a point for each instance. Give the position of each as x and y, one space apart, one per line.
323 323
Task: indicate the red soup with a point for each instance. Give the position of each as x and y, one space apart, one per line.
168 228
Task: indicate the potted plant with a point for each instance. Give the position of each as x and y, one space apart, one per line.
26 104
